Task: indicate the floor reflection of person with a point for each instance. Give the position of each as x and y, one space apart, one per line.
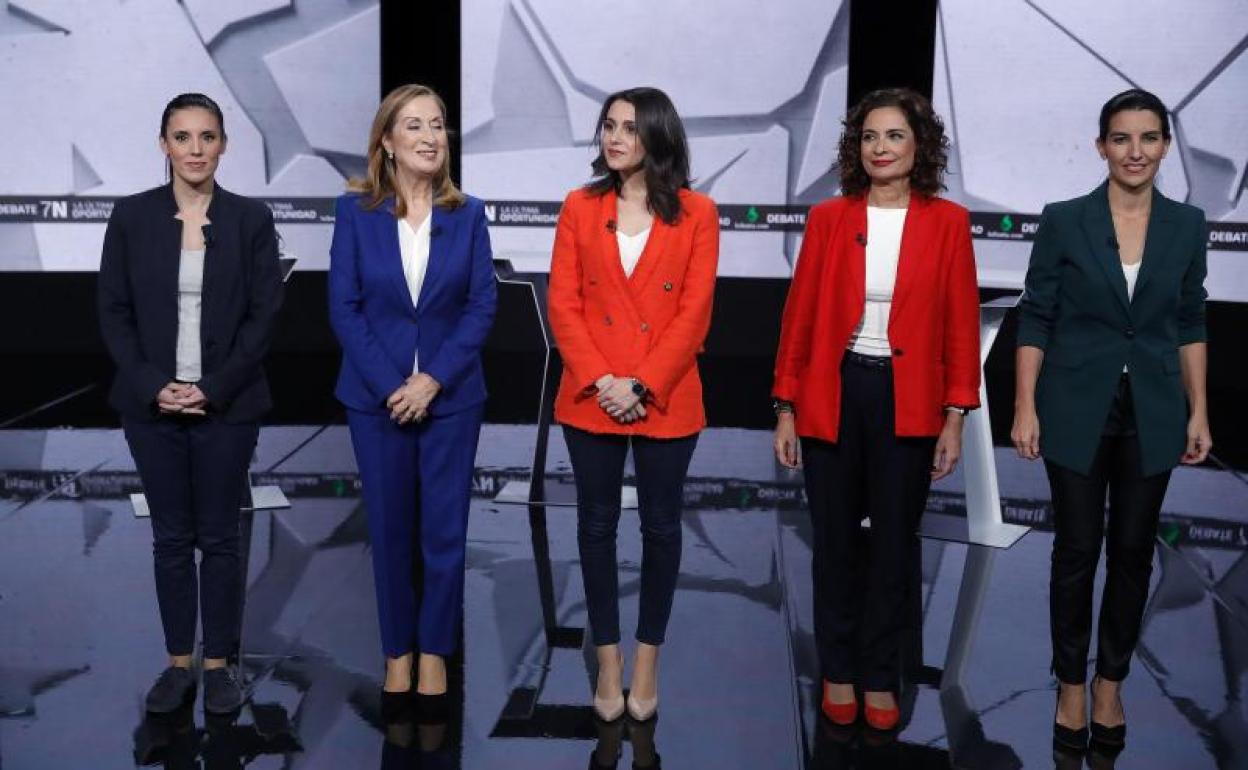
877 366
1110 391
632 281
412 297
189 289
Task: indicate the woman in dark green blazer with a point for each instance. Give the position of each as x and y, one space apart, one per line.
1111 392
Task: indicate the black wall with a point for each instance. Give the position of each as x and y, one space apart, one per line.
49 345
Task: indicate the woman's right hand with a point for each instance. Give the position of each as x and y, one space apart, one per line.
167 399
1026 433
788 451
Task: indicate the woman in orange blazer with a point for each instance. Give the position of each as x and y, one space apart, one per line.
631 284
878 365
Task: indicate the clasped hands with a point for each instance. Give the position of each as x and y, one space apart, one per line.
410 403
182 398
617 399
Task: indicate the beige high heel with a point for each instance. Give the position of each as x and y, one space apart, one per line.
610 709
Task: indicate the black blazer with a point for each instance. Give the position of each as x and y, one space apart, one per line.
138 302
1076 310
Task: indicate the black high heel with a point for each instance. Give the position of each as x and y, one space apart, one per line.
1108 737
1067 738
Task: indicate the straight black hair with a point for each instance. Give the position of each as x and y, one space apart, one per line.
191 101
1134 99
662 135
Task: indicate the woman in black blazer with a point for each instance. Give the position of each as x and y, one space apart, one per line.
189 287
1111 391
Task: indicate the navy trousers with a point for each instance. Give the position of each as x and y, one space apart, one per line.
598 465
194 476
417 482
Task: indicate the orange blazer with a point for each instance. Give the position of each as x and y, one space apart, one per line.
933 325
650 325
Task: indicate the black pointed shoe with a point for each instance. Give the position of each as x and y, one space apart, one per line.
223 693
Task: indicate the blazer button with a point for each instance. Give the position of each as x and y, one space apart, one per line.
593 281
607 320
1130 332
667 286
897 351
645 327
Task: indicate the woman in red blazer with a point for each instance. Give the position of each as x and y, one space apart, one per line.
631 284
878 365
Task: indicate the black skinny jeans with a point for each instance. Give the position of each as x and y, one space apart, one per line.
598 465
1079 527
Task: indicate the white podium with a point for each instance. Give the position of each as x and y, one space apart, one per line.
983 524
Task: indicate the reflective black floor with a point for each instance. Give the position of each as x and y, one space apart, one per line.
80 638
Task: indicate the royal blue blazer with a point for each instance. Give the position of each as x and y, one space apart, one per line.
379 327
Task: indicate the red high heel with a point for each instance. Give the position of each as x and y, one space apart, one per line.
881 719
838 713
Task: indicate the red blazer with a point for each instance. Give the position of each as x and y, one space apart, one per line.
650 326
933 325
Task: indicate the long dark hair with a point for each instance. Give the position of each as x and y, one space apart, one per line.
666 164
1134 99
931 152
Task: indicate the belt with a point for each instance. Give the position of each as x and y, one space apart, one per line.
871 362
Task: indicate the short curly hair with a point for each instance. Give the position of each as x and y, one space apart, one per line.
931 156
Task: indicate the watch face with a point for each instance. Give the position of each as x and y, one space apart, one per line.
638 388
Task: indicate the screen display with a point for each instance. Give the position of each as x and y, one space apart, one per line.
1020 84
83 84
760 88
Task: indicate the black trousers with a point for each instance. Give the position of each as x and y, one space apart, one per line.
861 595
598 465
1079 527
194 476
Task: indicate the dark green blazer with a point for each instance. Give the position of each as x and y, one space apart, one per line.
1075 308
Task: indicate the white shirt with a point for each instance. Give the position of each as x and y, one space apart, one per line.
414 250
631 247
1131 273
188 360
884 228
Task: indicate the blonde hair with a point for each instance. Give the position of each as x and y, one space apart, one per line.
378 182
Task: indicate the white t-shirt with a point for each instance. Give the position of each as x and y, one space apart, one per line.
631 247
414 249
188 360
884 228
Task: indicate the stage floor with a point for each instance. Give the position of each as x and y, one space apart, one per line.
80 638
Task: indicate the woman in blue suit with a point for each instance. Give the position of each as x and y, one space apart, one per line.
411 299
1110 372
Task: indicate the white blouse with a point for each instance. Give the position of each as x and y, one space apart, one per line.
631 247
188 360
414 250
1131 273
884 228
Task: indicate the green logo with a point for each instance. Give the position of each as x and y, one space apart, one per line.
1007 224
751 215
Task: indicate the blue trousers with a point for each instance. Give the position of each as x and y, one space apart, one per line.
194 475
417 486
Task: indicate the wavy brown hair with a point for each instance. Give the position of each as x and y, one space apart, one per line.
378 182
931 153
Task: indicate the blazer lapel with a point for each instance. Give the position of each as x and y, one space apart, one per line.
908 256
1156 238
855 235
608 247
1098 226
441 226
169 261
386 235
651 255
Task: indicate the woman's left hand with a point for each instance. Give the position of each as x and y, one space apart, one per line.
192 400
1199 440
411 402
948 446
618 399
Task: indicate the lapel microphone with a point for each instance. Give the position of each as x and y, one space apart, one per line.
861 239
611 225
207 230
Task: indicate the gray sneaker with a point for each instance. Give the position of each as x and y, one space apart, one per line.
223 694
173 688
